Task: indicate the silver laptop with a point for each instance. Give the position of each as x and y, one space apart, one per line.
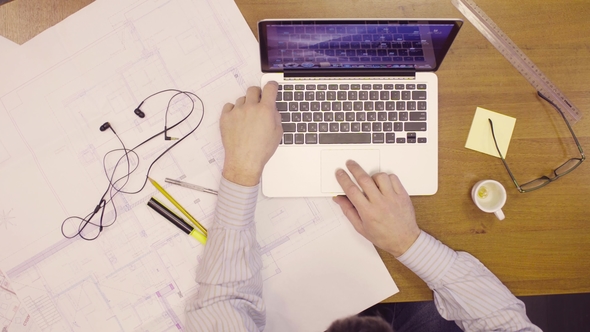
354 89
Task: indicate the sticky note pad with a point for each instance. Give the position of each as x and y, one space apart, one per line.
480 135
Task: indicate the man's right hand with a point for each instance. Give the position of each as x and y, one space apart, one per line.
380 210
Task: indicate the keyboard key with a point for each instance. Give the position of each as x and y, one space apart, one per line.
289 127
304 106
421 106
415 126
323 127
421 139
317 116
299 138
418 95
311 138
312 127
345 138
334 127
366 126
347 106
293 106
418 116
315 106
285 117
390 138
411 105
288 139
301 127
421 86
281 106
378 138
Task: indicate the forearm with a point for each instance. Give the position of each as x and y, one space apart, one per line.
464 289
230 283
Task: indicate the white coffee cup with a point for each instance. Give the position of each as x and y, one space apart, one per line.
490 197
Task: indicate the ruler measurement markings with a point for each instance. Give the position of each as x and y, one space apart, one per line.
516 57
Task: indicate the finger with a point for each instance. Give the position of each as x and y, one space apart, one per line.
269 94
350 212
240 101
253 95
383 182
397 185
352 191
363 179
227 107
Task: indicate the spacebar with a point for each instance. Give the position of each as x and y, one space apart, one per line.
345 138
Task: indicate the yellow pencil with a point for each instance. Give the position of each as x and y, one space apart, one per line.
178 206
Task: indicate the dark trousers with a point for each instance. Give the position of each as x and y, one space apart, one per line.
412 317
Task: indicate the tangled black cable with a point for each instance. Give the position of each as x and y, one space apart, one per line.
115 187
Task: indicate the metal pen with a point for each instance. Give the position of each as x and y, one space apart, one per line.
191 186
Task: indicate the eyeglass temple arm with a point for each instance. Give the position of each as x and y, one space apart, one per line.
566 122
502 157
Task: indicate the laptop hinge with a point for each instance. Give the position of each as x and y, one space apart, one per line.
348 73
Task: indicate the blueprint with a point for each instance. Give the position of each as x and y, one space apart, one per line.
138 275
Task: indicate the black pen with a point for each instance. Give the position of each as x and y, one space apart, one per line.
176 220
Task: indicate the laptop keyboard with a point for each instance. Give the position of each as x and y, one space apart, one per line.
353 113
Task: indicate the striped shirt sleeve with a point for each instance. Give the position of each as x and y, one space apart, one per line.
465 291
230 283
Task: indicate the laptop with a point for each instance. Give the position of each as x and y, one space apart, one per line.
354 89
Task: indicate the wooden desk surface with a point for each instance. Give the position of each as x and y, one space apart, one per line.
541 247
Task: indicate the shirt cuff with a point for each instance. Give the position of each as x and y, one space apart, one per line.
428 258
236 204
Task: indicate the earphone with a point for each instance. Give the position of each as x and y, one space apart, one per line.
113 187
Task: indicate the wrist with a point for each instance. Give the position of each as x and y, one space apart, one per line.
408 240
242 176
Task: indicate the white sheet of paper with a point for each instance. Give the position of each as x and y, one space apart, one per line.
96 66
7 45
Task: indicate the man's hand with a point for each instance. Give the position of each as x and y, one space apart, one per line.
251 131
382 212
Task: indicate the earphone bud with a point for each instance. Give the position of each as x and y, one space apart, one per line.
105 126
139 112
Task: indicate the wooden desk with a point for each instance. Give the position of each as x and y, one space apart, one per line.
541 247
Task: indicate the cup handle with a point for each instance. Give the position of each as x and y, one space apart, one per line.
499 214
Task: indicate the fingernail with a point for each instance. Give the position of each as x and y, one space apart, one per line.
339 172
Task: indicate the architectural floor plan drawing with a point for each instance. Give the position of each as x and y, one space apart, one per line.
138 275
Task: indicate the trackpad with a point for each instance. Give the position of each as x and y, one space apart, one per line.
331 160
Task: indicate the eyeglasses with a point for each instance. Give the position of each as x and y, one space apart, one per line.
560 171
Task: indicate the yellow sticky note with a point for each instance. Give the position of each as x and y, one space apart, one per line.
480 135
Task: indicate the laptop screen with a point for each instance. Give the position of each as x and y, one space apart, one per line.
355 44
